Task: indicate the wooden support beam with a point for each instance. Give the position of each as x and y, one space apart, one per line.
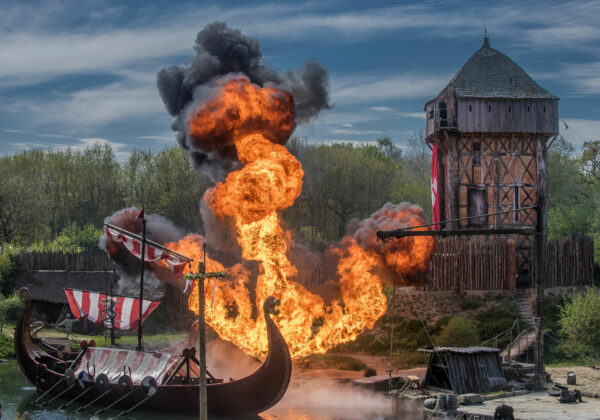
401 233
540 245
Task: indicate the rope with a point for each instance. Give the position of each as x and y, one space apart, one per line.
426 330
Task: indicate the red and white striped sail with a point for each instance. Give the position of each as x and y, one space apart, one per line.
152 253
93 306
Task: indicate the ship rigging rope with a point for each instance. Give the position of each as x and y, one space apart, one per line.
420 319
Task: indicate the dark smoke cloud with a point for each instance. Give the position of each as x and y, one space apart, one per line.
222 51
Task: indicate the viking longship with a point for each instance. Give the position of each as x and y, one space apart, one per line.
129 379
162 381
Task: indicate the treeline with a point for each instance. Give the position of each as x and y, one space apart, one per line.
574 191
49 196
59 199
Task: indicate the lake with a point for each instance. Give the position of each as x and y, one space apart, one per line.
305 400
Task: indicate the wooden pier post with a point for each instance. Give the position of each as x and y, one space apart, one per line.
540 245
202 340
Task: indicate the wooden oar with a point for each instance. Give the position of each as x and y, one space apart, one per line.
102 410
90 403
150 387
85 391
58 395
81 353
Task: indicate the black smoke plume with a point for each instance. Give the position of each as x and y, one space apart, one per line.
222 51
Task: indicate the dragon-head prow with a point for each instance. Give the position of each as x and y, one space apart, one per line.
270 305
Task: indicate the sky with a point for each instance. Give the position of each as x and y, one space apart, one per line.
74 73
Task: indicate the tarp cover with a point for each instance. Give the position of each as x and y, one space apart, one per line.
112 361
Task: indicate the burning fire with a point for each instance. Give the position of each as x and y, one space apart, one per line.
256 121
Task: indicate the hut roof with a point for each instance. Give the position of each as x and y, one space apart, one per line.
464 350
464 369
491 74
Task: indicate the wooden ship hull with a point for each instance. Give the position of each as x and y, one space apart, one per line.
247 396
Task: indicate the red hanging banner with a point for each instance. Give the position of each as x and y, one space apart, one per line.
435 188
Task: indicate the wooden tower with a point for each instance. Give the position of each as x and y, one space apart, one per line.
491 124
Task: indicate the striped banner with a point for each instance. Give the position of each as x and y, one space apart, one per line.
93 306
152 254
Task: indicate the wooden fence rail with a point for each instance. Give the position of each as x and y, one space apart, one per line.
477 263
84 261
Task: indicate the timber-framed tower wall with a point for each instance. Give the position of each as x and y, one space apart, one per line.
492 125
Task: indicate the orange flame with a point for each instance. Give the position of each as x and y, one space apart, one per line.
254 119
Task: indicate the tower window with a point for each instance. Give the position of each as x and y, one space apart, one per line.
477 206
470 108
509 108
544 108
489 108
476 154
528 108
443 115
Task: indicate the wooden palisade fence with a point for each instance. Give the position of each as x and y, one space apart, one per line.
569 262
83 261
479 263
459 262
475 263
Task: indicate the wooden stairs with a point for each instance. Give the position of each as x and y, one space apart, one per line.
525 299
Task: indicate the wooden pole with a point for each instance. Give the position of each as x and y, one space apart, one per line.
202 340
540 242
112 308
140 346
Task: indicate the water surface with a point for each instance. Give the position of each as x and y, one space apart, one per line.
304 400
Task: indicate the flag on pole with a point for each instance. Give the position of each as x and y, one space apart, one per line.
140 214
93 306
435 188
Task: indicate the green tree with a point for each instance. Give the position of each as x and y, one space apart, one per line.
414 184
580 318
24 205
458 332
569 204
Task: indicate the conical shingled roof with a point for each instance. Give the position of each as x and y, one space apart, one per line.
491 74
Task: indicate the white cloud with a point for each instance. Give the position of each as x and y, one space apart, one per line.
93 107
580 130
158 138
54 136
420 115
374 88
381 109
354 132
120 149
37 46
583 77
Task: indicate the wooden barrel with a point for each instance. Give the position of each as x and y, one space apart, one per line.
571 378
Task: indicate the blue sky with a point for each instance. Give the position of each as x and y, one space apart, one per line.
73 73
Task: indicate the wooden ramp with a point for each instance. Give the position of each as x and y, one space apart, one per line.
521 344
